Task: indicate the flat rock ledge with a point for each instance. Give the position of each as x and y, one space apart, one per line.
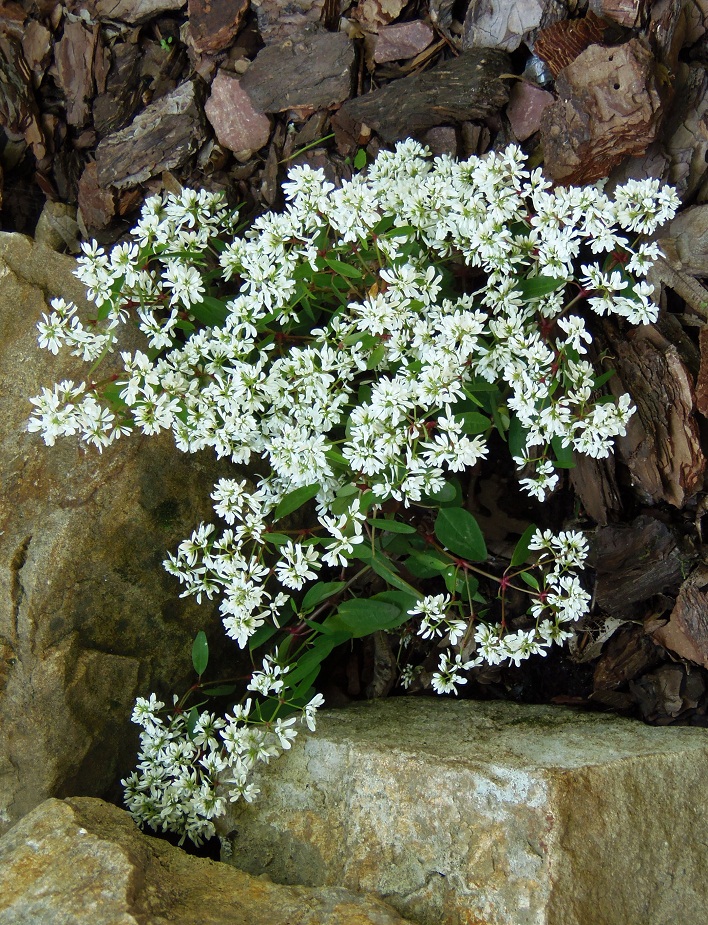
492 813
83 862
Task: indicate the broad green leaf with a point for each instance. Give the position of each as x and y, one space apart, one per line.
521 552
200 653
192 718
319 593
517 437
446 495
383 567
210 311
220 690
376 356
360 159
360 617
344 269
392 526
473 422
538 286
459 532
321 648
261 636
295 499
403 599
599 381
277 539
563 454
454 579
529 579
426 564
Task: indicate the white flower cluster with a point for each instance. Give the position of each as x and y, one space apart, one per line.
190 766
350 344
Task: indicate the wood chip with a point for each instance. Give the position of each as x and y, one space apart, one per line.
609 107
634 562
303 75
282 22
19 115
374 13
113 109
662 448
213 24
702 380
595 483
561 43
465 88
629 13
97 206
135 11
73 58
686 633
161 137
505 24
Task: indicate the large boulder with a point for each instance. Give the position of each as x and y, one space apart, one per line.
83 862
493 813
88 616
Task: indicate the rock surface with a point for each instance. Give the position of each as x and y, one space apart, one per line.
238 126
84 862
493 813
88 617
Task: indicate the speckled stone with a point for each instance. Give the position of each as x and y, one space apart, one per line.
492 813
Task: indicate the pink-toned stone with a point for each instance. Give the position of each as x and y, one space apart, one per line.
442 139
401 41
526 105
238 126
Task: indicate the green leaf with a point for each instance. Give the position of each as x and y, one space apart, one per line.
210 311
360 159
319 593
454 579
563 454
261 636
426 564
528 578
599 381
344 269
459 532
391 526
521 552
473 422
517 437
295 499
446 495
277 539
200 653
321 648
538 286
360 617
376 356
402 599
192 719
383 567
220 690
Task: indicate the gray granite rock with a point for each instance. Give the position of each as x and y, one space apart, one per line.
88 617
83 862
498 813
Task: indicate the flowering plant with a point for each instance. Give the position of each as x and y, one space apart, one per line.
365 344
